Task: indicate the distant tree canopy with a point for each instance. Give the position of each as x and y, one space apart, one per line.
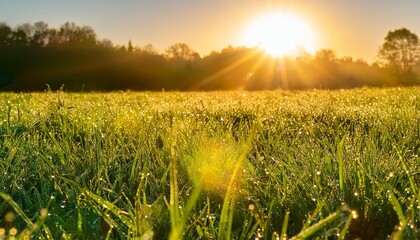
33 56
181 52
400 51
326 55
39 35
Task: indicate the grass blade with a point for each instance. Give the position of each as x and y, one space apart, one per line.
340 164
100 203
173 201
346 226
306 233
17 209
284 227
226 216
414 186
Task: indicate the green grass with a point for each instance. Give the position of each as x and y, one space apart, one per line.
219 165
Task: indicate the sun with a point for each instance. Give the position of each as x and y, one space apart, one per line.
279 34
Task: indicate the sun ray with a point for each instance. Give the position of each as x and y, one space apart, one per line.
224 70
254 68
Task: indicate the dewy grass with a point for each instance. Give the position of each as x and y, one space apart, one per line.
340 164
32 227
177 224
413 185
216 165
307 232
283 234
228 208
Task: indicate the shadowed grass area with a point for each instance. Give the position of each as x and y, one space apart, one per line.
221 165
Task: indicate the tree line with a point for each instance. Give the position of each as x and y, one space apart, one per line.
34 57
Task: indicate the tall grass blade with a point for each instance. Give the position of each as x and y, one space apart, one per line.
340 164
176 232
396 205
319 206
47 231
226 216
414 186
346 227
111 207
100 203
284 226
17 209
306 233
397 234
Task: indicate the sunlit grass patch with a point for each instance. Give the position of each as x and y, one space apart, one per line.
211 162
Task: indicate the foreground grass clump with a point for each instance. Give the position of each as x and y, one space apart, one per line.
221 165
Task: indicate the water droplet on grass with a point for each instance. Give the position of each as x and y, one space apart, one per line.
259 234
354 214
13 231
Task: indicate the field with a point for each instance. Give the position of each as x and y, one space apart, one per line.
220 165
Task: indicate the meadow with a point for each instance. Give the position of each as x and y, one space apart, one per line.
314 164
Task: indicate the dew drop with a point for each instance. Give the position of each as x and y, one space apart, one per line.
354 214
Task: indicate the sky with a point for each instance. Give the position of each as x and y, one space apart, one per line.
352 28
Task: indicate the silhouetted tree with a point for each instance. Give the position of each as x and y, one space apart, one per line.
122 49
40 35
149 49
28 29
346 59
86 37
130 47
105 43
303 56
401 50
326 55
5 35
71 35
53 38
19 38
181 52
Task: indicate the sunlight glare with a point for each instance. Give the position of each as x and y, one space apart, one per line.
212 164
279 34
